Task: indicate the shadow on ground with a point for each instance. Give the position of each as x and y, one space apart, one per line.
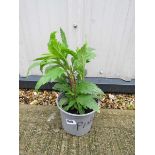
112 133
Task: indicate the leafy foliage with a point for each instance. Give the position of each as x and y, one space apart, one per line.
50 76
67 68
86 87
63 37
87 101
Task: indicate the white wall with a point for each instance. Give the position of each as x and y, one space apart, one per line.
107 25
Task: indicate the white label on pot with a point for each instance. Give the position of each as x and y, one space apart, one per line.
71 122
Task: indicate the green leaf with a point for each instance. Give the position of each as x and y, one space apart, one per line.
55 73
89 54
42 64
50 67
75 106
70 105
61 87
43 80
63 37
80 108
99 96
45 54
53 35
80 61
54 48
63 101
86 87
84 55
68 51
88 101
63 79
50 76
47 57
54 45
32 66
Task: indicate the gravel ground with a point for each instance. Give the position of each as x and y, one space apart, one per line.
111 101
112 133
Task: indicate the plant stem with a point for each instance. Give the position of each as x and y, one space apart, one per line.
74 82
71 76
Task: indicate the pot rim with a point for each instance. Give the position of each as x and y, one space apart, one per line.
79 115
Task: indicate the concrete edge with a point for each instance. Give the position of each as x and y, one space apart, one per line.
110 85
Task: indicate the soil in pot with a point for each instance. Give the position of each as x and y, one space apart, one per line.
74 111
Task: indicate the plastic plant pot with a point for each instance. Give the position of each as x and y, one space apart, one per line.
75 124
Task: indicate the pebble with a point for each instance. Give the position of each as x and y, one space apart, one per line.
56 130
35 102
35 93
112 97
51 117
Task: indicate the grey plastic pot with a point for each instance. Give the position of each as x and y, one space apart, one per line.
73 123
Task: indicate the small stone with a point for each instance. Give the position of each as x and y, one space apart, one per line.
35 102
55 94
112 97
35 93
51 117
56 130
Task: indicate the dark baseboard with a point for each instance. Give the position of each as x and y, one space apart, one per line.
110 85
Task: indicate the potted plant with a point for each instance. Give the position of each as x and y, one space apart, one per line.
78 99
